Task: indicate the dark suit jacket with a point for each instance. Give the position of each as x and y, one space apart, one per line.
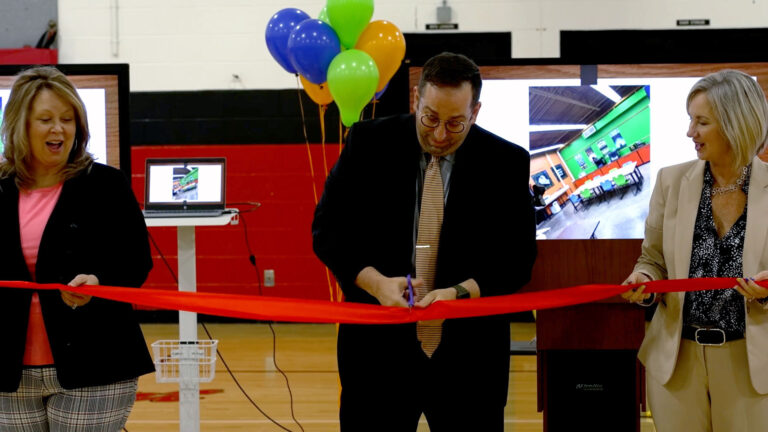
366 218
95 228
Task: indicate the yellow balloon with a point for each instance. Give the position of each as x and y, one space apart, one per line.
385 43
317 92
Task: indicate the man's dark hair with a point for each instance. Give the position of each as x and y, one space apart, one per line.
451 70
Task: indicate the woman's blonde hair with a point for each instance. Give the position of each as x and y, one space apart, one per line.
739 106
27 86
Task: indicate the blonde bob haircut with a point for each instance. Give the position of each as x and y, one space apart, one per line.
739 106
14 131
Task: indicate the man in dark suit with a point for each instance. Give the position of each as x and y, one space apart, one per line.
366 228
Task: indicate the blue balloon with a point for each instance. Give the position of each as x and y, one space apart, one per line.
279 30
312 46
378 94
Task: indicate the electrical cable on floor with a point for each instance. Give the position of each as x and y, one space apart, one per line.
237 383
252 259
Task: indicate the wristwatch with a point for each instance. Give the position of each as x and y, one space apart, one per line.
461 292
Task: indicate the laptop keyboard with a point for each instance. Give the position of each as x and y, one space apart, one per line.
182 213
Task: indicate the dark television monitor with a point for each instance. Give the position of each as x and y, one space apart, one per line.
105 90
597 134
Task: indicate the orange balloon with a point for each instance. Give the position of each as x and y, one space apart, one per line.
317 92
385 43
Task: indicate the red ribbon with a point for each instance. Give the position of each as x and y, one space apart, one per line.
319 311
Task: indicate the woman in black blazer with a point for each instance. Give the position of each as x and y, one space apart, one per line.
70 361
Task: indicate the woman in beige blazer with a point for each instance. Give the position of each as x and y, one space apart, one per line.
706 352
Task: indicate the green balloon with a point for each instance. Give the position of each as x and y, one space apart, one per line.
352 80
349 18
323 16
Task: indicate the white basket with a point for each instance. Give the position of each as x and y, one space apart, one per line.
185 360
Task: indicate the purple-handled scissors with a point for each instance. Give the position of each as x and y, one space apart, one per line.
410 291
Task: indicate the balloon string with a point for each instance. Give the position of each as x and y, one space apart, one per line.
330 285
306 139
373 110
322 109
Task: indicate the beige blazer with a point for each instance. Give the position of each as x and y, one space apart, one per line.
666 253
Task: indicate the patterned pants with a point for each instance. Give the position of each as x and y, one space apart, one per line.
42 405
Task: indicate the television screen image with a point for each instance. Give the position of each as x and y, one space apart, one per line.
184 184
609 139
104 89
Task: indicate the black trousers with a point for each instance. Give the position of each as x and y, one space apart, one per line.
388 382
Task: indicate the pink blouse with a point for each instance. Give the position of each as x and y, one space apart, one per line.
35 208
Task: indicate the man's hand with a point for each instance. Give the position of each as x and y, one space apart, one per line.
389 291
437 295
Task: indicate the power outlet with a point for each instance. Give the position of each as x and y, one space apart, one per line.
269 278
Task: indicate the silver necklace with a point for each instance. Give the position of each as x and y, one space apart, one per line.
733 186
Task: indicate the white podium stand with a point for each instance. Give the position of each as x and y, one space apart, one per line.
189 387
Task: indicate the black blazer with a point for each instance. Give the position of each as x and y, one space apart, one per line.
366 218
366 214
95 228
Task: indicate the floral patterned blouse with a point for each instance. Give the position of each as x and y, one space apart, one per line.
712 256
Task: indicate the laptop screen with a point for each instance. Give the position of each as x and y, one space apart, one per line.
185 184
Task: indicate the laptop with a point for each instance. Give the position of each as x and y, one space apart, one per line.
184 187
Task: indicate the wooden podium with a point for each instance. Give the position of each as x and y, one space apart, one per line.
587 354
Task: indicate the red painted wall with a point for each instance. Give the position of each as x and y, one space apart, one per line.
279 232
20 56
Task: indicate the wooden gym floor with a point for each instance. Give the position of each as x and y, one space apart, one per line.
307 354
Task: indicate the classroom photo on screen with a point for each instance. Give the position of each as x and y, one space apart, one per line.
595 149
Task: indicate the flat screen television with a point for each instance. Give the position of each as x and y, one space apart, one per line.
597 135
105 90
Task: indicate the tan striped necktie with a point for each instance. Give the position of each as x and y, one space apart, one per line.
427 242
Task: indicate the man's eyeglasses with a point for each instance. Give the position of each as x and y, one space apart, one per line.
452 126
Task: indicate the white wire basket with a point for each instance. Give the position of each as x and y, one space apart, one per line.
177 361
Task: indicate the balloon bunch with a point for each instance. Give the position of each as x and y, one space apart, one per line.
341 56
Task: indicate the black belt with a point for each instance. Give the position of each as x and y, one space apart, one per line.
710 335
